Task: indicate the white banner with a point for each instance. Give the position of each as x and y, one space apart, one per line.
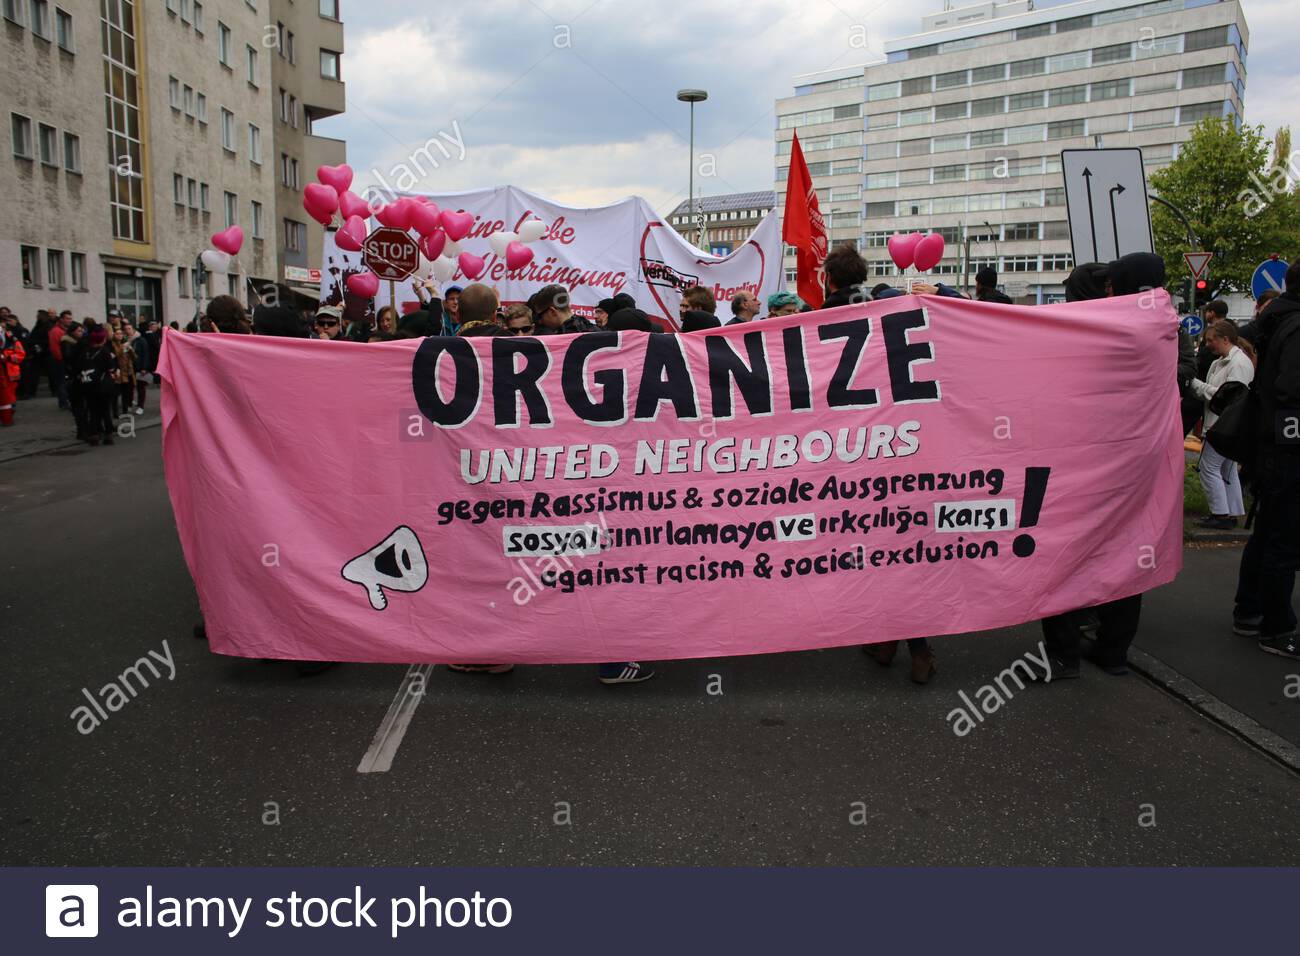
595 253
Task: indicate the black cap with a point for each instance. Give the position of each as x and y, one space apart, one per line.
628 320
608 306
988 276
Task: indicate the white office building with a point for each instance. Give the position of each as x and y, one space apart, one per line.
960 130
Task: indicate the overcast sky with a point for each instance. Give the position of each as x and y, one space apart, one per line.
575 99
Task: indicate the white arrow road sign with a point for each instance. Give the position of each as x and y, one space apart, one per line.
1106 200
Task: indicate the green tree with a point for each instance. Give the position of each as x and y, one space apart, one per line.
1240 206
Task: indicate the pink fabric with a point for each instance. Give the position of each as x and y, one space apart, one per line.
290 460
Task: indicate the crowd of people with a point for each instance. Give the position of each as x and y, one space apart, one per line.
100 371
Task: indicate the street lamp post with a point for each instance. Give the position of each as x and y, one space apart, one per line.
693 97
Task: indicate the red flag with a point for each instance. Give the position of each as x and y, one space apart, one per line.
804 228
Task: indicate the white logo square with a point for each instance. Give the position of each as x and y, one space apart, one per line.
71 910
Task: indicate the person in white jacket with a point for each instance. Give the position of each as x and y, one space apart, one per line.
1236 363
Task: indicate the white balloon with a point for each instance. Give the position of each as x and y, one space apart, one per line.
451 250
531 230
214 260
444 269
499 240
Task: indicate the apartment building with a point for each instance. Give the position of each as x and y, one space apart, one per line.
137 129
960 130
728 219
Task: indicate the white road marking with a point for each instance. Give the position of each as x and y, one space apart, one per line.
379 758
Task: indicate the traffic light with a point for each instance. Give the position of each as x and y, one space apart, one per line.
1202 294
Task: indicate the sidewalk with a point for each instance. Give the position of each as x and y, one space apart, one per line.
40 426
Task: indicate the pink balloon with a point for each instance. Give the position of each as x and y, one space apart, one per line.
902 248
339 177
424 219
351 235
928 252
432 244
364 284
457 224
471 265
396 215
350 204
320 202
518 255
229 240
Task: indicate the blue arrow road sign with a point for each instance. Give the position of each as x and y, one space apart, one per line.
1268 275
1193 325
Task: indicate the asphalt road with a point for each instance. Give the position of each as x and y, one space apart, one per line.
804 759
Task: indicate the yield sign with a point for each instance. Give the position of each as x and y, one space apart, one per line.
1197 261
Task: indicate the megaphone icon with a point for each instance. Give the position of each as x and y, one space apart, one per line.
396 563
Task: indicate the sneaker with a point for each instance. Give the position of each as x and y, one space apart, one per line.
923 666
1110 666
883 653
1057 670
481 668
1218 523
1283 645
625 673
139 410
1247 626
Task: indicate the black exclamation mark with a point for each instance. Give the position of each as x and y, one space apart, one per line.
1035 489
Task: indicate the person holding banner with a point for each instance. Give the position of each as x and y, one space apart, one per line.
553 313
783 303
846 275
1236 363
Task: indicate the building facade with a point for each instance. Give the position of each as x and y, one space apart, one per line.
960 130
728 219
137 130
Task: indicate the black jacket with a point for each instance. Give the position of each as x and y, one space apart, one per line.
847 296
1277 377
993 295
574 323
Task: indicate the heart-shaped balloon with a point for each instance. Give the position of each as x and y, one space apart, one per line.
214 261
518 255
229 240
457 224
364 284
339 177
451 249
321 202
432 244
350 204
396 215
531 230
501 239
471 265
902 248
928 252
351 235
424 218
443 269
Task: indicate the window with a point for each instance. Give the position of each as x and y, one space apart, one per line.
329 64
1026 134
838 166
21 130
250 60
54 268
1054 196
186 6
1025 199
917 85
174 93
1198 112
227 130
183 282
1074 23
48 141
882 180
13 11
1159 46
1118 53
942 204
988 106
223 43
946 81
1068 95
848 112
1204 76
230 207
914 147
1062 262
1064 129
178 189
880 210
78 260
256 219
1063 62
883 91
71 153
290 52
1037 30
31 257
1205 39
1025 101
293 111
41 20
946 144
988 137
329 9
987 74
914 207
1028 67
1155 83
254 144
1057 229
845 193
295 236
192 191
1151 119
203 198
1020 263
201 108
1110 90
198 17
189 99
63 29
1020 230
914 117
950 174
950 111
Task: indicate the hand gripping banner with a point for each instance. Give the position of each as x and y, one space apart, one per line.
916 466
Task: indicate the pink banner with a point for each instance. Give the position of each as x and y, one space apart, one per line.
915 466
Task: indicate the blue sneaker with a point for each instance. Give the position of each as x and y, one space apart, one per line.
629 672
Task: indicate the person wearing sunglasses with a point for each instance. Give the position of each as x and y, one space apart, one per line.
518 319
329 323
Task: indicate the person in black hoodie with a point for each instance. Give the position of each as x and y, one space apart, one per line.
95 369
846 273
1266 579
553 314
986 287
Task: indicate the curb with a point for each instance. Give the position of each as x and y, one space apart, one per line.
1230 719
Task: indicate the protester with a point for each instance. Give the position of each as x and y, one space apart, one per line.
125 358
451 310
478 306
1250 330
386 320
744 307
630 320
95 367
846 271
278 320
519 319
784 303
58 370
1219 474
71 345
139 347
38 357
697 320
986 287
553 313
1266 580
604 309
697 299
12 355
328 324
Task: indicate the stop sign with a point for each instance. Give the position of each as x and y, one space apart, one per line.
390 254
